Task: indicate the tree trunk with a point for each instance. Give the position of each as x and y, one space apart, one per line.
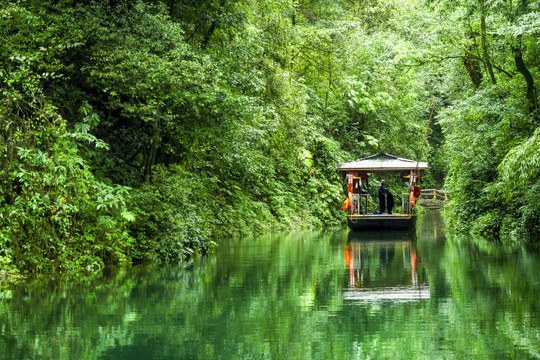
212 28
151 159
485 52
172 6
470 60
473 69
209 33
532 99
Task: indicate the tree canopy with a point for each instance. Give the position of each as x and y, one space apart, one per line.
146 130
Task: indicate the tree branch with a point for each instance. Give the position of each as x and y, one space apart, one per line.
441 59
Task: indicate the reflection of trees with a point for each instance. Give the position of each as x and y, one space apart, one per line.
495 297
286 287
281 297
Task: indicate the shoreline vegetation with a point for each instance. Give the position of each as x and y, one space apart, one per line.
146 131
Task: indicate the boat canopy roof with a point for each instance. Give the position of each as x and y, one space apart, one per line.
382 163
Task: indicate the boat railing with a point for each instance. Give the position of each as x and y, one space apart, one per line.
406 203
359 203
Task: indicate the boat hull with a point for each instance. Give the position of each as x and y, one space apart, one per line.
381 222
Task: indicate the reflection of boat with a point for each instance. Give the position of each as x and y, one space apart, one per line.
395 294
356 203
383 236
383 268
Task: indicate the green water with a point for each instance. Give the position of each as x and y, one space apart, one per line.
309 295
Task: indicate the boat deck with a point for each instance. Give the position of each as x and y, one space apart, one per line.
377 215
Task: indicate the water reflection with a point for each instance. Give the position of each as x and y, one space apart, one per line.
310 295
384 266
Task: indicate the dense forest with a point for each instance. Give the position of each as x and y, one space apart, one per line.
136 131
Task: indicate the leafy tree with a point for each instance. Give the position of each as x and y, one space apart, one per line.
55 213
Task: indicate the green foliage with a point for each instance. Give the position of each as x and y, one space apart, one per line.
478 137
488 51
172 217
518 185
238 114
493 176
55 213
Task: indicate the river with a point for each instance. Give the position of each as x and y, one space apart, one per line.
304 295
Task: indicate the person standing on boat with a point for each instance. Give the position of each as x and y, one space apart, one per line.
389 201
382 197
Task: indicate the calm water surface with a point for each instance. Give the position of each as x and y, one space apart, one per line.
309 295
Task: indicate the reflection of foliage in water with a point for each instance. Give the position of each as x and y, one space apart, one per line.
495 297
281 297
201 311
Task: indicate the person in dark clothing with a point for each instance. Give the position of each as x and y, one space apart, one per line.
382 197
389 201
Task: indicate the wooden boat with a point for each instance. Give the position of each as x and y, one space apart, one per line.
381 221
357 174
